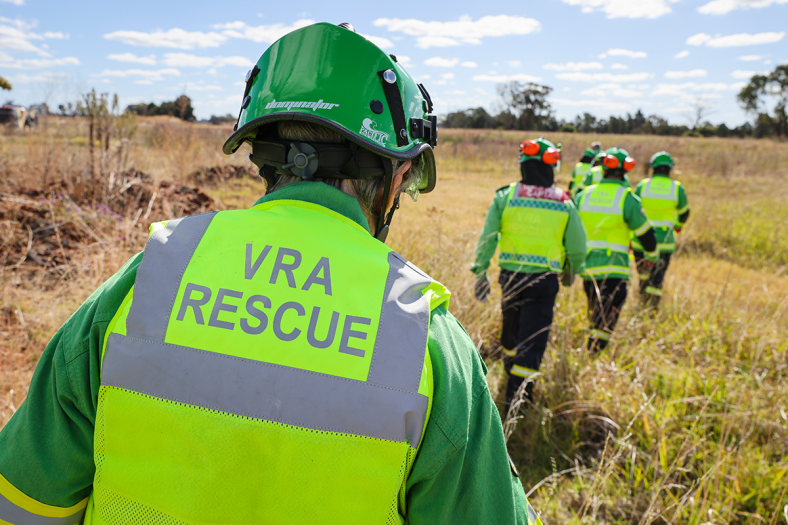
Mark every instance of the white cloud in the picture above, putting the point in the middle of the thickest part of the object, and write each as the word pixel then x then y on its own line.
pixel 463 31
pixel 198 87
pixel 506 78
pixel 41 77
pixel 188 60
pixel 17 35
pixel 456 92
pixel 605 104
pixel 142 82
pixel 15 2
pixel 37 63
pixel 603 77
pixel 145 74
pixel 695 73
pixel 737 40
pixel 747 75
pixel 574 66
pixel 618 52
pixel 404 60
pixel 625 8
pixel 382 43
pixel 468 63
pixel 752 58
pixel 55 35
pixel 610 89
pixel 448 76
pixel 721 7
pixel 174 38
pixel 442 62
pixel 514 63
pixel 131 57
pixel 264 33
pixel 682 54
pixel 619 66
pixel 683 90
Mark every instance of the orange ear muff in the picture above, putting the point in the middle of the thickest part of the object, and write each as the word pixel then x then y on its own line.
pixel 530 148
pixel 610 162
pixel 551 156
pixel 629 163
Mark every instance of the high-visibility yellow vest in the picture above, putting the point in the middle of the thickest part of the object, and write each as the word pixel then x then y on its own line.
pixel 580 172
pixel 660 198
pixel 269 366
pixel 533 226
pixel 602 212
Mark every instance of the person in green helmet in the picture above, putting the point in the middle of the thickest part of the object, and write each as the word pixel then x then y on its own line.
pixel 595 174
pixel 666 205
pixel 611 213
pixel 277 364
pixel 540 236
pixel 580 171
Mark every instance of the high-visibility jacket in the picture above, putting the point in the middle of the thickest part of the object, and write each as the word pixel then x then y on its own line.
pixel 246 379
pixel 601 208
pixel 533 226
pixel 578 175
pixel 660 196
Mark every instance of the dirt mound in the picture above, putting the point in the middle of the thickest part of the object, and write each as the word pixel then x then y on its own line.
pixel 45 227
pixel 217 175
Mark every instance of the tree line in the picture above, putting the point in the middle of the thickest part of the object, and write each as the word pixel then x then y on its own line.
pixel 525 107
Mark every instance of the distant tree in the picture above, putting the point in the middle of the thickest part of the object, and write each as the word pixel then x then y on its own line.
pixel 722 130
pixel 753 97
pixel 585 124
pixel 568 128
pixel 699 110
pixel 5 84
pixel 181 107
pixel 477 118
pixel 528 101
pixel 227 119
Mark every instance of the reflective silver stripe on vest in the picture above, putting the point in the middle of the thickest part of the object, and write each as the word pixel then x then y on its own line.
pixel 386 406
pixel 615 208
pixel 261 390
pixel 159 275
pixel 663 224
pixel 11 513
pixel 670 196
pixel 398 357
pixel 605 245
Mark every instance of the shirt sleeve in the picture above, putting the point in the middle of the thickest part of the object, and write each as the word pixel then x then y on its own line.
pixel 46 448
pixel 683 205
pixel 636 219
pixel 639 188
pixel 488 240
pixel 575 241
pixel 462 472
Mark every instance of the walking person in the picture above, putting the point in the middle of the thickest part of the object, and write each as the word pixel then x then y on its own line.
pixel 666 205
pixel 278 364
pixel 611 212
pixel 581 169
pixel 540 236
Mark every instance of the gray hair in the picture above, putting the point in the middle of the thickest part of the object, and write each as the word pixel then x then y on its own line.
pixel 366 190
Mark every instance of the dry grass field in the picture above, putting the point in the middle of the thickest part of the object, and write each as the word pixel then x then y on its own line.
pixel 683 419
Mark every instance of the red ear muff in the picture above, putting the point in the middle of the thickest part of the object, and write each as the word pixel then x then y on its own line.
pixel 530 148
pixel 551 156
pixel 610 162
pixel 629 163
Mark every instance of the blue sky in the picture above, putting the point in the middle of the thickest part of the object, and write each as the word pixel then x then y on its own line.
pixel 600 56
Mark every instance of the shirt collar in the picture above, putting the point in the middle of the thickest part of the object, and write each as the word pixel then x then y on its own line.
pixel 614 181
pixel 323 195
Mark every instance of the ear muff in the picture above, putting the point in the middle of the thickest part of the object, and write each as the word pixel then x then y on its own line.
pixel 611 162
pixel 530 148
pixel 551 156
pixel 629 163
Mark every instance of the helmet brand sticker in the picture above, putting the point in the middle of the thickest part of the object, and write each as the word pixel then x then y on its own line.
pixel 314 106
pixel 368 130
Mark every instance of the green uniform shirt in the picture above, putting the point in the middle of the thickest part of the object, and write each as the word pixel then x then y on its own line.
pixel 666 235
pixel 461 473
pixel 635 218
pixel 574 240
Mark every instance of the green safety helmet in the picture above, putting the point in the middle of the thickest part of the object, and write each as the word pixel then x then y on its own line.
pixel 617 158
pixel 332 76
pixel 662 158
pixel 590 153
pixel 540 149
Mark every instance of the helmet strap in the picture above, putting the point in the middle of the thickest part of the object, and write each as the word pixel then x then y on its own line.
pixel 384 220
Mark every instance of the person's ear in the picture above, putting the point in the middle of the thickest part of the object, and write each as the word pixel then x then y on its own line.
pixel 396 182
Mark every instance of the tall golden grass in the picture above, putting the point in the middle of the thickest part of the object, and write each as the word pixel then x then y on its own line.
pixel 683 419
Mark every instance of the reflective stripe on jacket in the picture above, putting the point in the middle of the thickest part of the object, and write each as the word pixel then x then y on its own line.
pixel 601 208
pixel 259 372
pixel 533 226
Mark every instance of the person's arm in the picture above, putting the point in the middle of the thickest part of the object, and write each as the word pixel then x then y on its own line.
pixel 488 240
pixel 46 448
pixel 462 472
pixel 638 222
pixel 639 188
pixel 575 242
pixel 683 208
